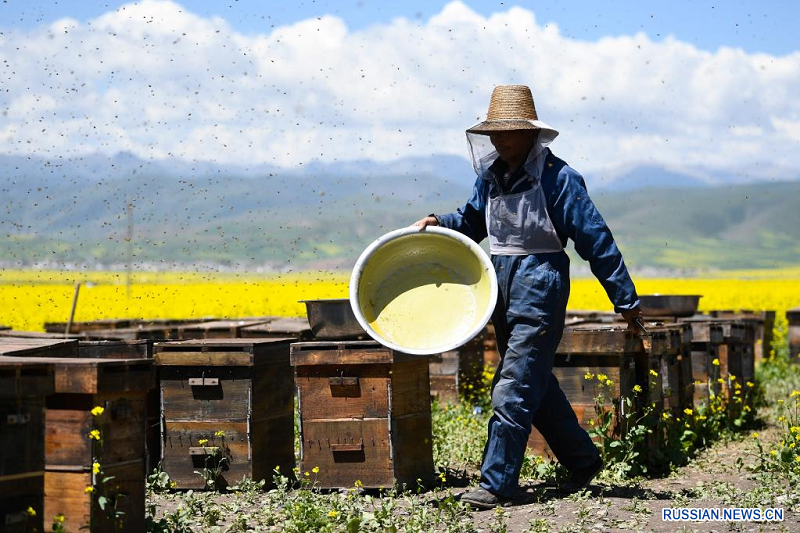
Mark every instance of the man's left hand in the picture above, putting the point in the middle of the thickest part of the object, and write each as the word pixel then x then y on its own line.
pixel 630 317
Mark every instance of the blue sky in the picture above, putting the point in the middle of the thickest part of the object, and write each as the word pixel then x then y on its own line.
pixel 755 26
pixel 710 90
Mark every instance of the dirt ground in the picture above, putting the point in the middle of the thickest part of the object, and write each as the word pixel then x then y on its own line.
pixel 709 481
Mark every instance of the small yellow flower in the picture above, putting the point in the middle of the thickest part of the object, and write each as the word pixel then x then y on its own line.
pixel 59 518
pixel 715 362
pixel 702 417
pixel 591 422
pixel 746 408
pixel 653 373
pixel 773 453
pixel 688 411
pixel 97 411
pixel 88 490
pixel 754 434
pixel 588 376
pixel 795 393
pixel 219 433
pixel 31 511
pixel 794 429
pixel 94 434
pixel 609 383
pixel 780 402
pixel 637 388
pixel 791 446
pixel 797 458
pixel 306 474
pixel 750 384
pixel 781 419
pixel 202 442
pixel 333 514
pixel 732 377
pixel 601 377
pixel 665 415
pixel 95 467
pixel 315 470
pixel 720 380
pixel 358 484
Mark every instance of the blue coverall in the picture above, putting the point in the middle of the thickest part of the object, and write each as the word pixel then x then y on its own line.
pixel 529 322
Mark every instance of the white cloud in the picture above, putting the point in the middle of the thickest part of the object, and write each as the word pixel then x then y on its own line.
pixel 157 80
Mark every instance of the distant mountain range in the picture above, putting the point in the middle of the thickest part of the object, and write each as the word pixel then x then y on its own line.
pixel 323 215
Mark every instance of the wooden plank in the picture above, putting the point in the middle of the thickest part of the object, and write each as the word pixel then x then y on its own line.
pixel 24 347
pixel 410 388
pixel 296 328
pixel 230 399
pixel 79 327
pixel 218 329
pixel 340 468
pixel 134 349
pixel 203 358
pixel 344 353
pixel 273 390
pixel 89 376
pixel 368 398
pixel 273 446
pixel 235 446
pixel 601 340
pixel 36 335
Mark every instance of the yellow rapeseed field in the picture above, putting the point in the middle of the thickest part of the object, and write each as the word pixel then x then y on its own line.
pixel 28 299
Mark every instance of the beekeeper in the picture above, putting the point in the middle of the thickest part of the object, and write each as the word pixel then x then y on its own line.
pixel 529 202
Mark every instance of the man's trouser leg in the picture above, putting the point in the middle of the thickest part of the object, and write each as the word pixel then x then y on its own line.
pixel 529 323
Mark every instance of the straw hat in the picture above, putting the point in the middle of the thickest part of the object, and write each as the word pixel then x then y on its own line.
pixel 511 108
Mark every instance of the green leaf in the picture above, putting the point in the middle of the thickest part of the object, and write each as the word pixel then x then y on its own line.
pixel 102 501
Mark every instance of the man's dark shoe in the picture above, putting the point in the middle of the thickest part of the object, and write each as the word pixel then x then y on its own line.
pixel 580 479
pixel 481 498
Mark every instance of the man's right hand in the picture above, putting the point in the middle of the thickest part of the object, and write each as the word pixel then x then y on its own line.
pixel 429 220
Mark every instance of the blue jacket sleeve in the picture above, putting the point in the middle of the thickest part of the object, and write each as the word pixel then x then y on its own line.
pixel 574 214
pixel 471 218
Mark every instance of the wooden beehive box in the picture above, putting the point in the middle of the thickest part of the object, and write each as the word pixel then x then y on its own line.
pixel 793 334
pixel 133 349
pixel 296 328
pixel 365 414
pixel 241 387
pixel 677 384
pixel 763 323
pixel 23 387
pixel 457 373
pixel 120 387
pixel 596 349
pixel 81 327
pixel 219 329
pixel 707 336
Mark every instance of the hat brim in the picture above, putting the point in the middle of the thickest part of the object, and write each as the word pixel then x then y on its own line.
pixel 488 127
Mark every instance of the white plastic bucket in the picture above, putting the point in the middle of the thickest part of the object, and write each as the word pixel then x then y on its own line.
pixel 423 292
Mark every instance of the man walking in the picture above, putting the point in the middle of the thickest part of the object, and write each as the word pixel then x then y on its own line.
pixel 529 202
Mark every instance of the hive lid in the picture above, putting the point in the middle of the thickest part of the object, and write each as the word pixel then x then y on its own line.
pixel 221 352
pixel 36 347
pixel 345 353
